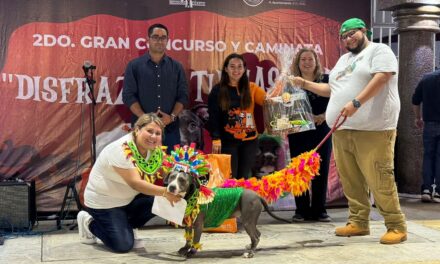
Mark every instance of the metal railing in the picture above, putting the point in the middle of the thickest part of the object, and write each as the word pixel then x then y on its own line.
pixel 382 27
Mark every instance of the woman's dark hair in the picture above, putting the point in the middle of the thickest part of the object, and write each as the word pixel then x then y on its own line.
pixel 243 85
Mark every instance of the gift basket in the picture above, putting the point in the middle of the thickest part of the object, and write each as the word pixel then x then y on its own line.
pixel 287 109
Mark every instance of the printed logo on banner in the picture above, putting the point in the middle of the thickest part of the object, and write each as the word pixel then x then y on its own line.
pixel 253 2
pixel 288 2
pixel 187 3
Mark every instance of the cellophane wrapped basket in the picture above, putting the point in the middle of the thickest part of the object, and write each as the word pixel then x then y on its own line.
pixel 287 109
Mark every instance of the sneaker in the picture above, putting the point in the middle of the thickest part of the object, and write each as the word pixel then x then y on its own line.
pixel 426 196
pixel 351 230
pixel 298 218
pixel 393 236
pixel 138 243
pixel 436 197
pixel 83 219
pixel 323 217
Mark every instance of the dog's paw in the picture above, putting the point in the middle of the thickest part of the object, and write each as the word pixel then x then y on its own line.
pixel 187 251
pixel 249 254
pixel 183 251
pixel 191 252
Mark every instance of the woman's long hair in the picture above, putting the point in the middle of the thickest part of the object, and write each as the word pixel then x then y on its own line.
pixel 243 86
pixel 295 66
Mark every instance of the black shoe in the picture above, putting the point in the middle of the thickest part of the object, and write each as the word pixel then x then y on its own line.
pixel 435 197
pixel 298 218
pixel 426 196
pixel 324 218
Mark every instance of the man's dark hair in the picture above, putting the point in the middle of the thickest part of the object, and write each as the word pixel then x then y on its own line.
pixel 152 27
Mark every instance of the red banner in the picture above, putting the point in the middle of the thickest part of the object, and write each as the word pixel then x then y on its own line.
pixel 45 104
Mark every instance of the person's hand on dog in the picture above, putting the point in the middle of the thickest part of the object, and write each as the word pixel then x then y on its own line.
pixel 171 197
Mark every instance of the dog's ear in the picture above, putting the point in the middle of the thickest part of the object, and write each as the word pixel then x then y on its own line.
pixel 165 179
pixel 195 181
pixel 204 179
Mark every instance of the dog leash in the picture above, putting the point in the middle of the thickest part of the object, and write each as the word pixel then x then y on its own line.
pixel 337 124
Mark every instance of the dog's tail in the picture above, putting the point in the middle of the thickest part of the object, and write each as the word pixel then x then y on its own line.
pixel 266 207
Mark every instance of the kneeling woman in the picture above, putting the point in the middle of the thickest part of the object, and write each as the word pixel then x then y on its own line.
pixel 120 191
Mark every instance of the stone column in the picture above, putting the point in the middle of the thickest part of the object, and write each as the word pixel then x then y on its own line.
pixel 417 23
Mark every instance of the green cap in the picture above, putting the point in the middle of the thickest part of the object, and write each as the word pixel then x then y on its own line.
pixel 353 23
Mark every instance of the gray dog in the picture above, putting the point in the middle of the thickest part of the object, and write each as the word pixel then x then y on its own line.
pixel 248 209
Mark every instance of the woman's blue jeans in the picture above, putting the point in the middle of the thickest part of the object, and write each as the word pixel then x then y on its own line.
pixel 114 226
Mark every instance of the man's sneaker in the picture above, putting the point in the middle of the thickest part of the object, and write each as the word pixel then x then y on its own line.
pixel 436 197
pixel 83 219
pixel 351 230
pixel 323 217
pixel 426 196
pixel 138 243
pixel 393 236
pixel 298 218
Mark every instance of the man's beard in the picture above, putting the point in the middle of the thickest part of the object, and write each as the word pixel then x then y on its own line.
pixel 358 48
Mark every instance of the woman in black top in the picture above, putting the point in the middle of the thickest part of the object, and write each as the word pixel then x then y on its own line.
pixel 307 66
pixel 231 116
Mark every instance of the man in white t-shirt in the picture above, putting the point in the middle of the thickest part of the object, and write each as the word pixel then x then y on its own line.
pixel 363 87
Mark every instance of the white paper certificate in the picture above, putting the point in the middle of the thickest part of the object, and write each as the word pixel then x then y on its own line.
pixel 162 207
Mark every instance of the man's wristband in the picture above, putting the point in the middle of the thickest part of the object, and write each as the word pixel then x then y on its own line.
pixel 173 117
pixel 356 103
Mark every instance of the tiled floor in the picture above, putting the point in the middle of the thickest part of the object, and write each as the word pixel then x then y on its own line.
pixel 280 243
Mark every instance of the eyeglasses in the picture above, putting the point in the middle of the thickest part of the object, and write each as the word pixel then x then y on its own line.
pixel 349 34
pixel 159 38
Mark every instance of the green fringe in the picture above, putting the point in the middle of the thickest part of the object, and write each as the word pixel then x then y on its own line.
pixel 224 204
